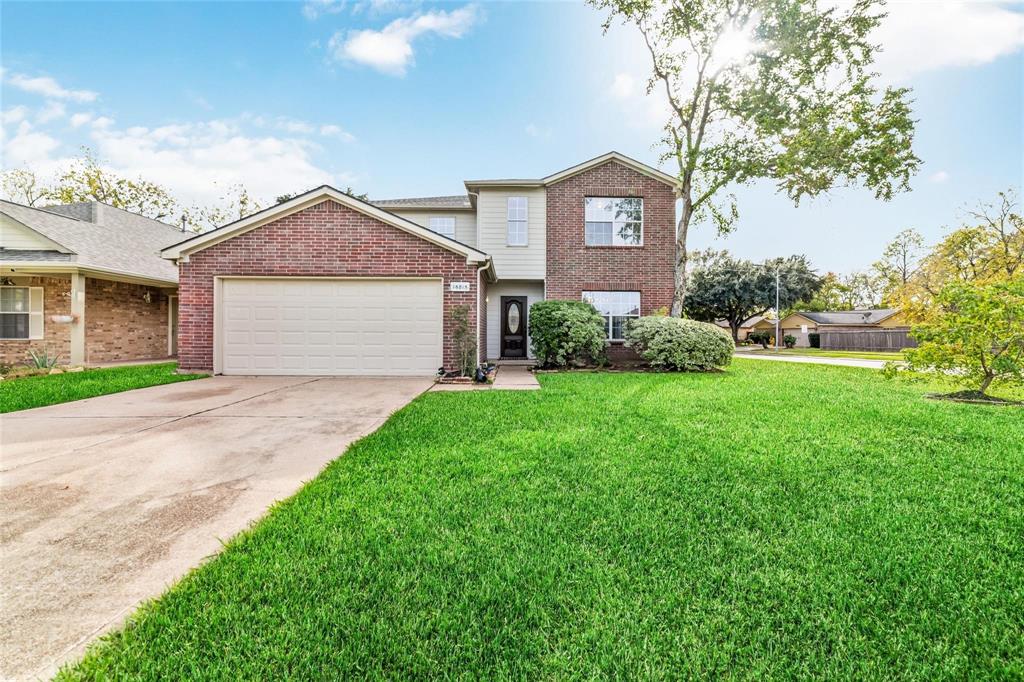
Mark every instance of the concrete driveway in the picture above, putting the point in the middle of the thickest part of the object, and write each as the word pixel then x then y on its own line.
pixel 107 501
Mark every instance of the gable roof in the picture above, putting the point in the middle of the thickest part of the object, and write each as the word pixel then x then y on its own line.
pixel 850 317
pixel 638 166
pixel 118 242
pixel 457 201
pixel 182 249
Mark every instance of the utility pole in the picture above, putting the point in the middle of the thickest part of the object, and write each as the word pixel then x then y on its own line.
pixel 778 313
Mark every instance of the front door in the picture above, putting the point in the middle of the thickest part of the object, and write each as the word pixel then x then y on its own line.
pixel 513 326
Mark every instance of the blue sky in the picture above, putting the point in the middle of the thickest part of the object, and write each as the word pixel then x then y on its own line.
pixel 403 98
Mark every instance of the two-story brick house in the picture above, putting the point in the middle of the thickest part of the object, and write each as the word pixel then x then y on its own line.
pixel 328 284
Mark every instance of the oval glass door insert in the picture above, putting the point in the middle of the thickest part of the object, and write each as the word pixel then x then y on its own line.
pixel 513 318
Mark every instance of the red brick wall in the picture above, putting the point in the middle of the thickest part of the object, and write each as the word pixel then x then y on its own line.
pixel 56 337
pixel 573 267
pixel 120 325
pixel 327 239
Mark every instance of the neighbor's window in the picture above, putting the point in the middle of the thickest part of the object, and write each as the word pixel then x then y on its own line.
pixel 516 221
pixel 614 222
pixel 616 307
pixel 21 312
pixel 445 226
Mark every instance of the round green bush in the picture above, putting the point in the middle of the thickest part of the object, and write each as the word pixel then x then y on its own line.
pixel 671 343
pixel 566 333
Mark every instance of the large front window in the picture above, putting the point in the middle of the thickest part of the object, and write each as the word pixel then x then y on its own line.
pixel 617 307
pixel 517 209
pixel 614 222
pixel 21 313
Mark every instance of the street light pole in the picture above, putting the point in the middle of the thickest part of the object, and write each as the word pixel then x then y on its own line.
pixel 778 312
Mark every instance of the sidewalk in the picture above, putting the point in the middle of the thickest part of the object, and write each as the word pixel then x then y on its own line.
pixel 806 359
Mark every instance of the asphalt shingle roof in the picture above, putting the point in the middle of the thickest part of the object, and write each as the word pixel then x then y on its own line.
pixel 118 240
pixel 450 201
pixel 852 317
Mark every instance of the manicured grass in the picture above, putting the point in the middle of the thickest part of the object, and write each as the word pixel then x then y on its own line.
pixel 37 391
pixel 863 355
pixel 774 521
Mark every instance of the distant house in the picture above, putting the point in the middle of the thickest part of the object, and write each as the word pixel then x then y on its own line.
pixel 746 326
pixel 847 329
pixel 86 282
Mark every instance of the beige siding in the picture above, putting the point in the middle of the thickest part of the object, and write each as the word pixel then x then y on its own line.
pixel 15 236
pixel 534 292
pixel 513 262
pixel 465 222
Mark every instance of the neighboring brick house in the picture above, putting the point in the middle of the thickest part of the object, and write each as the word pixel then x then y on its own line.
pixel 328 284
pixel 85 282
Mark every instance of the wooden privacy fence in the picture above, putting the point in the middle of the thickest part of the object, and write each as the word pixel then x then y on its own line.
pixel 867 339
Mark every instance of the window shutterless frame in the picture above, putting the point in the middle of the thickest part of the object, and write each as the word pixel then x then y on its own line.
pixel 21 313
pixel 616 307
pixel 517 232
pixel 443 225
pixel 605 218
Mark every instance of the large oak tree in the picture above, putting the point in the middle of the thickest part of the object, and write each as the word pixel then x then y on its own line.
pixel 781 90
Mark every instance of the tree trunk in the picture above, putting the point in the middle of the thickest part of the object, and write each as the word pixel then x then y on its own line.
pixel 735 331
pixel 681 254
pixel 985 382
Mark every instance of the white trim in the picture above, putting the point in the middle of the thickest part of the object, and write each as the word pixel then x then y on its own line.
pixel 218 296
pixel 307 200
pixel 29 268
pixel 525 221
pixel 638 166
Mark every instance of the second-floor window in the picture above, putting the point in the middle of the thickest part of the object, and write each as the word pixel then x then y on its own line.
pixel 614 221
pixel 517 209
pixel 443 225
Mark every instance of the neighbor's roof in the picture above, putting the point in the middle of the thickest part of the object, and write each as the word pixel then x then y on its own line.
pixel 456 201
pixel 638 166
pixel 849 317
pixel 118 242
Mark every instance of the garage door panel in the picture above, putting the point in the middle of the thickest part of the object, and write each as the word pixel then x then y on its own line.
pixel 325 327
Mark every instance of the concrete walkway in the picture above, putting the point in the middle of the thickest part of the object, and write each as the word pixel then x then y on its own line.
pixel 107 501
pixel 508 378
pixel 816 360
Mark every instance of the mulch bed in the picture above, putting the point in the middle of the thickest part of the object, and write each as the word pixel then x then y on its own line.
pixel 974 397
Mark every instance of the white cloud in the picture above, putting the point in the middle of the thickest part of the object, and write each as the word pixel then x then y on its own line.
pixel 623 86
pixel 102 122
pixel 80 119
pixel 27 147
pixel 938 177
pixel 48 87
pixel 313 9
pixel 917 37
pixel 338 132
pixel 14 115
pixel 390 50
pixel 52 111
pixel 290 125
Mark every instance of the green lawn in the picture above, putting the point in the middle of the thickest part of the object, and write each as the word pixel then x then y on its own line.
pixel 817 352
pixel 50 389
pixel 775 521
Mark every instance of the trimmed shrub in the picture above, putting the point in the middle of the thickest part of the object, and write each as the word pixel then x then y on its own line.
pixel 566 333
pixel 761 337
pixel 671 343
pixel 814 338
pixel 789 340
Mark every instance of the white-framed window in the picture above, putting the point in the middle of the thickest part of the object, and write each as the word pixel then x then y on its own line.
pixel 21 312
pixel 443 225
pixel 614 221
pixel 517 211
pixel 617 307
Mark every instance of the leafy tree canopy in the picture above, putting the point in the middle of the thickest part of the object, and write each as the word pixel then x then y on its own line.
pixel 780 90
pixel 731 289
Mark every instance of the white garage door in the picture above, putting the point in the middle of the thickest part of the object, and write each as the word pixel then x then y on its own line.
pixel 321 326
